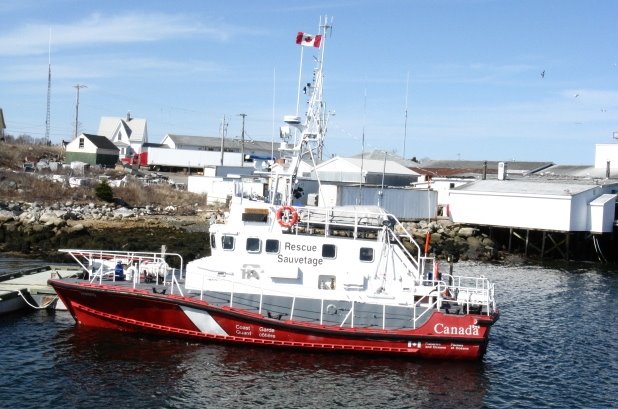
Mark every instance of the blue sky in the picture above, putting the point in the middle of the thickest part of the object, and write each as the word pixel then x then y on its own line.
pixel 468 71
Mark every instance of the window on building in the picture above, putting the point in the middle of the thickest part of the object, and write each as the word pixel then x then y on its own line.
pixel 81 143
pixel 328 251
pixel 272 246
pixel 253 245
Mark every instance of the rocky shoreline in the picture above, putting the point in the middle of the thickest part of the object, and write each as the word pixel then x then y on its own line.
pixel 36 230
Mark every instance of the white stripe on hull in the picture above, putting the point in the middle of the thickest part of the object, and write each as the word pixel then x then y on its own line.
pixel 203 321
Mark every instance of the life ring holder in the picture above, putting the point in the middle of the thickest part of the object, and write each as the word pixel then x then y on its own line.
pixel 331 309
pixel 291 218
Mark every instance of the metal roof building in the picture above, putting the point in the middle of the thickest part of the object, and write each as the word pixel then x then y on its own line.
pixel 538 204
pixel 210 143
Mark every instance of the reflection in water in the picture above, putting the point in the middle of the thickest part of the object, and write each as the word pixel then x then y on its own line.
pixel 173 373
pixel 275 377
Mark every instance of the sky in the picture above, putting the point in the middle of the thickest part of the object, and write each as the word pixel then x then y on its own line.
pixel 503 80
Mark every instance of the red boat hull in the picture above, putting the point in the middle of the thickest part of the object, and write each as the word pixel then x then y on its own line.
pixel 443 336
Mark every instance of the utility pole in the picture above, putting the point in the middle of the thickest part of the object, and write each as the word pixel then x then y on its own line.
pixel 47 118
pixel 242 141
pixel 77 87
pixel 223 131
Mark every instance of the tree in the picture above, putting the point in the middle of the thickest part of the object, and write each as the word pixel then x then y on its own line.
pixel 104 191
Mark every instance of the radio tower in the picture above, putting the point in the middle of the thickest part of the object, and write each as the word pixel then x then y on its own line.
pixel 47 119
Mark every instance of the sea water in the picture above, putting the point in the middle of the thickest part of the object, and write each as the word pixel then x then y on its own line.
pixel 555 346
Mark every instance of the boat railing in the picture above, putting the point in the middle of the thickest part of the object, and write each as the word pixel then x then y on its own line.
pixel 469 292
pixel 99 265
pixel 175 284
pixel 340 218
pixel 420 307
pixel 361 219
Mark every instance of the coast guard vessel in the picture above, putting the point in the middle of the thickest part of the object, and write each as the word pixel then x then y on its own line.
pixel 341 279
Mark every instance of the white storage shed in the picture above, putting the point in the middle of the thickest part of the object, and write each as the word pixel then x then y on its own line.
pixel 535 204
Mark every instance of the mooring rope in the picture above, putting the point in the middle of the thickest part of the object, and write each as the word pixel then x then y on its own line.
pixel 34 306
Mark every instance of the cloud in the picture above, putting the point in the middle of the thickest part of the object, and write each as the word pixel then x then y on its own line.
pixel 100 29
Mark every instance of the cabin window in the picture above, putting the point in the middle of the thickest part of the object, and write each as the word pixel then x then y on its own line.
pixel 327 282
pixel 213 241
pixel 227 242
pixel 328 251
pixel 272 246
pixel 81 143
pixel 366 254
pixel 254 245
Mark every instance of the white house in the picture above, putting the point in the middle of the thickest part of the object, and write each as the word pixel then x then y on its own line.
pixel 128 134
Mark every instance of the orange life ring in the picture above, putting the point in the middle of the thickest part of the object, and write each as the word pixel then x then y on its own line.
pixel 287 216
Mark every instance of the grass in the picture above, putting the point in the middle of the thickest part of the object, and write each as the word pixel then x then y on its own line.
pixel 17 185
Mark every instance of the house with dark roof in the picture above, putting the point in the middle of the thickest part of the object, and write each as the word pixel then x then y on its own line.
pixel 92 149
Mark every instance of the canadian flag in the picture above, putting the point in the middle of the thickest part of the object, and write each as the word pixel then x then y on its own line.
pixel 308 40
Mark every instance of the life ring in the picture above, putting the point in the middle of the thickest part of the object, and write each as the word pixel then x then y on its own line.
pixel 331 309
pixel 287 216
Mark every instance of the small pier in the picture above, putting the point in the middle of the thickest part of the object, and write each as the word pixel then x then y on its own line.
pixel 28 288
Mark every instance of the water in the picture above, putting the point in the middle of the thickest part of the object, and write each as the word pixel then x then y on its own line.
pixel 555 346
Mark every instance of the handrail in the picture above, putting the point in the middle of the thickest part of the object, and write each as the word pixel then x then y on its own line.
pixel 426 304
pixel 133 258
pixel 376 221
pixel 172 281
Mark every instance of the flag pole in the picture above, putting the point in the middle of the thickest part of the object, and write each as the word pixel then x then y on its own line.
pixel 300 72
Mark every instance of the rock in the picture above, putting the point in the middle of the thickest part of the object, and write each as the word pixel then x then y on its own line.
pixel 467 232
pixel 473 242
pixel 123 212
pixel 445 223
pixel 76 228
pixel 6 215
pixel 37 228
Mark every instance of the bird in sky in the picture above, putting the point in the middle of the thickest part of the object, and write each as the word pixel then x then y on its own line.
pixel 543 74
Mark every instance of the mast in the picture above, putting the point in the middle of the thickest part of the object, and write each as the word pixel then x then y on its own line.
pixel 405 124
pixel 313 128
